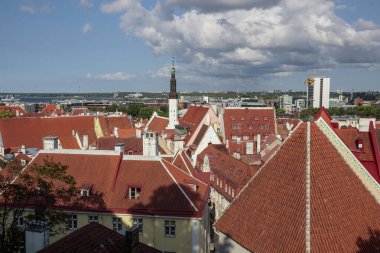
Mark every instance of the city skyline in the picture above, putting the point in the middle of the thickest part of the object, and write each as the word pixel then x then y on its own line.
pixel 127 45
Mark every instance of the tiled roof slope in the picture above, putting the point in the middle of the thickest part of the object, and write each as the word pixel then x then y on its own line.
pixel 192 119
pixel 108 143
pixel 14 109
pixel 269 215
pixel 159 182
pixel 158 124
pixel 249 122
pixel 52 110
pixel 181 161
pixel 94 238
pixel 108 124
pixel 30 131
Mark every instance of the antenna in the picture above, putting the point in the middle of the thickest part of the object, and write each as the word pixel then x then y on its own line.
pixel 173 61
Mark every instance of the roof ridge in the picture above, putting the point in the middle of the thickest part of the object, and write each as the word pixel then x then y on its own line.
pixel 183 160
pixel 186 173
pixel 307 193
pixel 262 168
pixel 351 160
pixel 180 188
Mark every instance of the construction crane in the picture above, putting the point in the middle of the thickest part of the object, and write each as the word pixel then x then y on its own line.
pixel 309 83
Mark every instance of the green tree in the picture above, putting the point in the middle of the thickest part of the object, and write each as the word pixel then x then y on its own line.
pixel 6 114
pixel 280 111
pixel 134 109
pixel 42 191
pixel 145 112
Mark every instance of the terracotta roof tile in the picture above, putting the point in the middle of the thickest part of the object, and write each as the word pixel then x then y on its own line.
pixel 108 124
pixel 16 110
pixel 269 214
pixel 30 131
pixel 131 144
pixel 192 119
pixel 93 238
pixel 158 124
pixel 52 110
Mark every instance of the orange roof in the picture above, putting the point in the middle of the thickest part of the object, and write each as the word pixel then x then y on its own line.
pixel 30 131
pixel 108 124
pixel 156 178
pixel 182 162
pixel 125 133
pixel 269 214
pixel 158 124
pixel 78 111
pixel 192 119
pixel 108 143
pixel 52 109
pixel 14 109
pixel 248 122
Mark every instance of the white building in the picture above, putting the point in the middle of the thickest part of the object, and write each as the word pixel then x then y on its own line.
pixel 319 93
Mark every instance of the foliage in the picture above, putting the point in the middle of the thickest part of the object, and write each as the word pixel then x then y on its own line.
pixel 280 111
pixel 145 112
pixel 6 114
pixel 361 111
pixel 134 109
pixel 42 190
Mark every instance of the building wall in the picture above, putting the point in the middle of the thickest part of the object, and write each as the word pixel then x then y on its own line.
pixel 209 137
pixel 173 113
pixel 325 92
pixel 98 128
pixel 227 245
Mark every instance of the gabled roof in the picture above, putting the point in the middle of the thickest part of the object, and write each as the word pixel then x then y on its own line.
pixel 192 119
pixel 108 124
pixel 165 189
pixel 182 162
pixel 269 215
pixel 282 126
pixel 200 135
pixel 248 122
pixel 14 109
pixel 232 169
pixel 30 131
pixel 52 110
pixel 157 124
pixel 78 111
pixel 94 238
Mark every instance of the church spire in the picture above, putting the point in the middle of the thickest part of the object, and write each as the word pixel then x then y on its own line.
pixel 173 83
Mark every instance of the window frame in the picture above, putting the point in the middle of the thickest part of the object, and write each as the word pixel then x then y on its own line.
pixel 72 222
pixel 170 225
pixel 117 224
pixel 93 219
pixel 140 222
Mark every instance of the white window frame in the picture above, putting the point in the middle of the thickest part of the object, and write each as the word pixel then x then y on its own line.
pixel 93 219
pixel 72 222
pixel 169 228
pixel 140 222
pixel 85 192
pixel 134 192
pixel 117 224
pixel 19 220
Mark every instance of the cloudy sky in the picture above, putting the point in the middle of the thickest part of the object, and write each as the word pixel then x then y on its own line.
pixel 245 45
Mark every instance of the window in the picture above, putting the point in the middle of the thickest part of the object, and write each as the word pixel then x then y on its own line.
pixel 84 192
pixel 169 228
pixel 221 184
pixel 234 137
pixel 229 190
pixel 250 127
pixel 245 137
pixel 134 192
pixel 233 193
pixel 217 181
pixel 139 222
pixel 116 224
pixel 72 222
pixel 130 152
pixel 92 219
pixel 19 220
pixel 23 162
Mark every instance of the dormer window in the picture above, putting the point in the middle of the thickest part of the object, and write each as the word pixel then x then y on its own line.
pixel 85 192
pixel 134 192
pixel 256 118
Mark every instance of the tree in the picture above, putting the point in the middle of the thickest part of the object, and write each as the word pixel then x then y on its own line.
pixel 42 191
pixel 6 114
pixel 145 112
pixel 134 109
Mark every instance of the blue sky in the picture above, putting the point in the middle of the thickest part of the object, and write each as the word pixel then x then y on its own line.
pixel 245 45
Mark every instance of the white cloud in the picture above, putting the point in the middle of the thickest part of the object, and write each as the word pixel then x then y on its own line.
pixel 117 76
pixel 34 10
pixel 86 28
pixel 86 3
pixel 242 40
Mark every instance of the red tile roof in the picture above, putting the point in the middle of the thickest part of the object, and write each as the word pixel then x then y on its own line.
pixel 79 111
pixel 200 135
pixel 131 144
pixel 249 122
pixel 94 238
pixel 269 214
pixel 182 162
pixel 125 133
pixel 164 188
pixel 52 110
pixel 192 119
pixel 108 124
pixel 30 131
pixel 14 109
pixel 158 124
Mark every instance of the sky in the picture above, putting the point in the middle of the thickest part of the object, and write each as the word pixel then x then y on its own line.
pixel 218 45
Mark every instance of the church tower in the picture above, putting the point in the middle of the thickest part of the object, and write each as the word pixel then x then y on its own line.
pixel 173 101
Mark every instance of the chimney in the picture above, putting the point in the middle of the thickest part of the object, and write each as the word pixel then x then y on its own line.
pixel 258 143
pixel 138 132
pixel 150 144
pixel 50 142
pixel 132 239
pixel 178 145
pixel 23 149
pixel 116 132
pixel 227 144
pixel 73 132
pixel 36 236
pixel 85 141
pixel 120 147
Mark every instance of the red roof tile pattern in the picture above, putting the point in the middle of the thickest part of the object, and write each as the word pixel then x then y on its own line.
pixel 282 123
pixel 30 131
pixel 79 111
pixel 181 161
pixel 108 124
pixel 94 238
pixel 269 214
pixel 248 122
pixel 192 119
pixel 52 110
pixel 158 124
pixel 16 110
pixel 200 135
pixel 133 144
pixel 125 133
pixel 160 193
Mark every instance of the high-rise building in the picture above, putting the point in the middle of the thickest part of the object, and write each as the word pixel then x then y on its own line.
pixel 173 101
pixel 319 92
